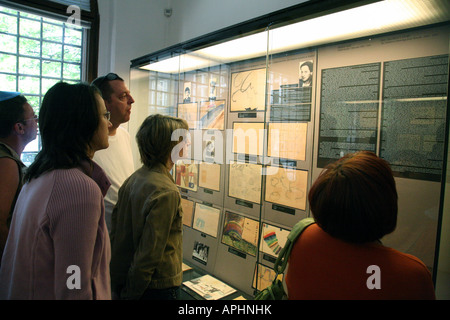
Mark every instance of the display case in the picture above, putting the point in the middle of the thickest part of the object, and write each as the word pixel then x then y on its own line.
pixel 270 102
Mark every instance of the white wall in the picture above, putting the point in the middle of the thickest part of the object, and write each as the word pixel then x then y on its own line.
pixel 134 28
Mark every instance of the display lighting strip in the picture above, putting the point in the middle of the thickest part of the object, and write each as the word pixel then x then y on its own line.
pixel 376 18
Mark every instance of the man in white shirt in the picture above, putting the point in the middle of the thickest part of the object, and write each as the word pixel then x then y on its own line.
pixel 117 159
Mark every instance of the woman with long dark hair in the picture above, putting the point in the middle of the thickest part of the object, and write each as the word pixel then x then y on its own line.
pixel 58 246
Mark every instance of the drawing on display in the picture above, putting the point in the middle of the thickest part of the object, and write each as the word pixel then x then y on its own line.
pixel 212 114
pixel 287 140
pixel 248 90
pixel 248 137
pixel 188 210
pixel 209 287
pixel 186 175
pixel 286 187
pixel 263 277
pixel 273 239
pixel 240 233
pixel 245 181
pixel 188 112
pixel 206 219
pixel 209 176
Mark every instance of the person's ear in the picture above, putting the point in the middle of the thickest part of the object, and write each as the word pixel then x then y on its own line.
pixel 19 128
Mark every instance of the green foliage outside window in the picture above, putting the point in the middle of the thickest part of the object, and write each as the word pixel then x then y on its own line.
pixel 35 53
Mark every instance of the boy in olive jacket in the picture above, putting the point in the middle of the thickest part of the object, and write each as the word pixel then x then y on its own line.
pixel 146 234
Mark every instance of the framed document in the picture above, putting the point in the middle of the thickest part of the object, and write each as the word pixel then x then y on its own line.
pixel 245 181
pixel 186 175
pixel 248 89
pixel 263 277
pixel 188 112
pixel 209 176
pixel 206 219
pixel 286 187
pixel 287 140
pixel 273 239
pixel 188 211
pixel 248 138
pixel 240 233
pixel 212 114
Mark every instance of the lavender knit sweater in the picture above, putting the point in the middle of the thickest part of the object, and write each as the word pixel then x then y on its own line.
pixel 58 246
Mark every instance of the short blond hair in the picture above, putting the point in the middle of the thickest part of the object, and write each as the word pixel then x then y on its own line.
pixel 154 138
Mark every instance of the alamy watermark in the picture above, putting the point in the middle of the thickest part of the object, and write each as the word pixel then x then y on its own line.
pixel 241 146
pixel 75 16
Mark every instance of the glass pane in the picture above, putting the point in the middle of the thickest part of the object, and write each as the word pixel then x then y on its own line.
pixel 53 21
pixel 29 85
pixel 52 32
pixel 72 71
pixel 51 50
pixel 8 82
pixel 30 28
pixel 72 54
pixel 8 43
pixel 28 157
pixel 29 66
pixel 8 24
pixel 29 47
pixel 8 63
pixel 7 10
pixel 48 83
pixel 51 69
pixel 73 36
pixel 32 146
pixel 34 103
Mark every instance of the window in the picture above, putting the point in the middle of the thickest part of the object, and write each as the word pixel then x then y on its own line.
pixel 37 51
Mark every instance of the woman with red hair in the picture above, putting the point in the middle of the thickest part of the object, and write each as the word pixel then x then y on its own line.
pixel 354 204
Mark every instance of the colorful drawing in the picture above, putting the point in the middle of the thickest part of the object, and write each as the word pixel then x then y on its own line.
pixel 186 175
pixel 240 233
pixel 273 239
pixel 212 114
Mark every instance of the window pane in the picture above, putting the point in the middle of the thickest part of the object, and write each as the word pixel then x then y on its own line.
pixel 34 103
pixel 52 32
pixel 72 54
pixel 29 47
pixel 51 50
pixel 29 85
pixel 29 66
pixel 8 43
pixel 48 83
pixel 30 28
pixel 32 146
pixel 7 10
pixel 8 24
pixel 8 82
pixel 8 63
pixel 51 69
pixel 73 36
pixel 72 71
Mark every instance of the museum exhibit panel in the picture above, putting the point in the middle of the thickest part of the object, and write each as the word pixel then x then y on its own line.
pixel 270 102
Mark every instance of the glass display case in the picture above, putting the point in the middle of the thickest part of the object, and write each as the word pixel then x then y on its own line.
pixel 270 102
